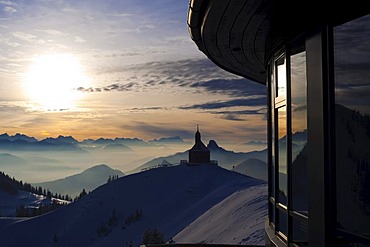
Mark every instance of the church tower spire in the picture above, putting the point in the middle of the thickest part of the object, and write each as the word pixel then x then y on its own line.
pixel 199 153
pixel 197 135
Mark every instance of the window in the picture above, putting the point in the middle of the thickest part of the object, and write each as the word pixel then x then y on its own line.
pixel 298 166
pixel 288 154
pixel 352 123
pixel 271 138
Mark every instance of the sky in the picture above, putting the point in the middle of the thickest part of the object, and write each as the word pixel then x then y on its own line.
pixel 123 68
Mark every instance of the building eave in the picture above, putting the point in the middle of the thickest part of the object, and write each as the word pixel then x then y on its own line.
pixel 240 36
pixel 232 34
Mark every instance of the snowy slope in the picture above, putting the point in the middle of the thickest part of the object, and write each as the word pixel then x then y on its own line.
pixel 238 219
pixel 170 199
pixel 9 203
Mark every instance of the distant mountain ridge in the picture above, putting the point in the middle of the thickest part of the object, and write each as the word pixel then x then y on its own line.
pixel 22 142
pixel 61 140
pixel 225 158
pixel 89 180
pixel 17 136
pixel 175 139
pixel 69 143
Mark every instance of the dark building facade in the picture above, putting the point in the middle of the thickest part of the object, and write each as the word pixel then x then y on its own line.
pixel 314 58
pixel 199 153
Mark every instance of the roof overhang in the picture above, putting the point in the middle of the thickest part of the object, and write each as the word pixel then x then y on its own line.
pixel 232 34
pixel 240 36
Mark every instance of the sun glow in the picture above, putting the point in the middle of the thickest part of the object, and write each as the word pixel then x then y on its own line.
pixel 52 81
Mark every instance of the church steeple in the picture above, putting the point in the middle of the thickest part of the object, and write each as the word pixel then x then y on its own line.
pixel 199 153
pixel 197 135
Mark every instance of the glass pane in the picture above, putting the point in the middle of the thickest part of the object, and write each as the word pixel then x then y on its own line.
pixel 272 212
pixel 299 231
pixel 272 164
pixel 283 188
pixel 281 78
pixel 283 222
pixel 352 122
pixel 272 168
pixel 299 133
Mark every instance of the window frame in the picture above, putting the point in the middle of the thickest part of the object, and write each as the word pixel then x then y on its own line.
pixel 275 103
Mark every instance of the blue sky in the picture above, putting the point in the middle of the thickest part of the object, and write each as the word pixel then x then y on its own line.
pixel 138 74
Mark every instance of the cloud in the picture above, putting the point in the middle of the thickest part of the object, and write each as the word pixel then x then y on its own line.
pixel 10 106
pixel 143 109
pixel 79 39
pixel 112 87
pixel 192 75
pixel 242 112
pixel 260 101
pixel 8 3
pixel 235 87
pixel 140 29
pixel 37 121
pixel 10 9
pixel 53 32
pixel 159 129
pixel 232 117
pixel 28 37
pixel 120 15
pixel 9 42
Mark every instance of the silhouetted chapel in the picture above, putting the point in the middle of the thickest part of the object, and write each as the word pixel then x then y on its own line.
pixel 199 153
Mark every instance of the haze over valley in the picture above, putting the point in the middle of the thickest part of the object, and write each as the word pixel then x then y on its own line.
pixel 37 161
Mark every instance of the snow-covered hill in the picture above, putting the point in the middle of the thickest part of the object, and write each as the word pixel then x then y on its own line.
pixel 231 221
pixel 170 199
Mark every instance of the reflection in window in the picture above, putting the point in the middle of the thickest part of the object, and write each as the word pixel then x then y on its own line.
pixel 300 231
pixel 281 78
pixel 299 132
pixel 283 188
pixel 299 188
pixel 352 122
pixel 283 222
pixel 272 161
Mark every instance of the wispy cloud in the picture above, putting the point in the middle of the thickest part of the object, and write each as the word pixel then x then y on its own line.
pixel 28 37
pixel 53 32
pixel 144 109
pixel 112 87
pixel 197 75
pixel 8 42
pixel 120 14
pixel 158 129
pixel 260 101
pixel 79 39
pixel 8 3
pixel 235 87
pixel 10 9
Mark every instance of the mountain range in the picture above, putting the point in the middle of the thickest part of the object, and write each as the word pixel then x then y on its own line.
pixel 225 158
pixel 69 143
pixel 48 144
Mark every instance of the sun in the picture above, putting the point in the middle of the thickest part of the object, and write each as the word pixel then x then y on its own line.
pixel 52 81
